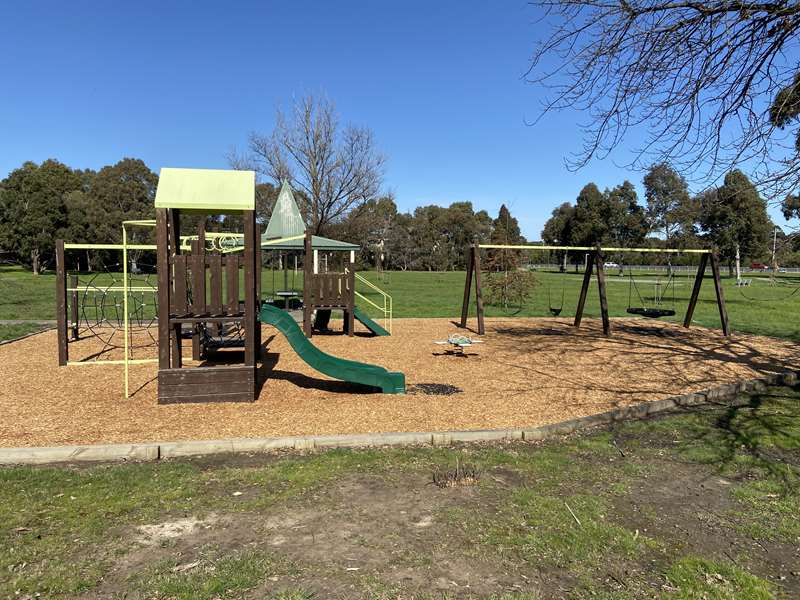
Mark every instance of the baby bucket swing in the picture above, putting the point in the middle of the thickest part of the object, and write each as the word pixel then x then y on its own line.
pixel 555 310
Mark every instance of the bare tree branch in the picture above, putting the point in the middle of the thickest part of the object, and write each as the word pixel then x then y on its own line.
pixel 336 168
pixel 698 76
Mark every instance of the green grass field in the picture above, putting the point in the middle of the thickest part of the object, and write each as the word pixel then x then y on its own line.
pixel 761 308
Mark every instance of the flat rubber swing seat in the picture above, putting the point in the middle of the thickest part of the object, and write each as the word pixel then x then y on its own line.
pixel 651 313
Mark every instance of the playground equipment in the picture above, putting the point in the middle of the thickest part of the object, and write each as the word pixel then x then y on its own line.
pixel 324 292
pixel 656 309
pixel 102 305
pixel 338 368
pixel 595 260
pixel 457 344
pixel 183 279
pixel 555 310
pixel 199 293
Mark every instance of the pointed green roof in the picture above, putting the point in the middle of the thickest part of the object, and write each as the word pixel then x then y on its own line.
pixel 286 220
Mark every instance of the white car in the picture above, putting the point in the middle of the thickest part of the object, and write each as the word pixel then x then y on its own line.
pixel 610 265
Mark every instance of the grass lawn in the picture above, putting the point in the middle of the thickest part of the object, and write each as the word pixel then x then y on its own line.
pixel 700 504
pixel 17 330
pixel 760 308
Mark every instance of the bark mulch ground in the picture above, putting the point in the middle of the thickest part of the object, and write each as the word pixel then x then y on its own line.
pixel 528 372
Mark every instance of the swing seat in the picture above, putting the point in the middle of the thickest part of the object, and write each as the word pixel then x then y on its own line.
pixel 651 313
pixel 555 311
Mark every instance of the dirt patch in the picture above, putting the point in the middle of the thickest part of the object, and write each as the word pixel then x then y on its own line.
pixel 690 507
pixel 158 533
pixel 395 531
pixel 528 372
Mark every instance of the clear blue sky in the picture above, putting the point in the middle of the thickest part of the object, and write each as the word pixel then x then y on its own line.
pixel 181 83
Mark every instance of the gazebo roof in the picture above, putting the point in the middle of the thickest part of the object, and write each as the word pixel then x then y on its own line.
pixel 317 243
pixel 286 221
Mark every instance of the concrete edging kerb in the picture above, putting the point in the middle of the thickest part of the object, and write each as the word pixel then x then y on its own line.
pixel 150 451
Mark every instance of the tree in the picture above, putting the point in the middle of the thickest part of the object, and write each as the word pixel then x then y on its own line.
pixel 736 220
pixel 595 218
pixel 33 210
pixel 506 283
pixel 368 226
pixel 121 192
pixel 400 247
pixel 335 168
pixel 611 217
pixel 693 75
pixel 630 227
pixel 558 229
pixel 666 193
pixel 506 232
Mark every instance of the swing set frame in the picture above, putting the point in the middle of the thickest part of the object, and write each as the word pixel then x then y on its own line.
pixel 595 262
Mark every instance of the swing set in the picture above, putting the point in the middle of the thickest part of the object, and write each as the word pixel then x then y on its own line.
pixel 594 262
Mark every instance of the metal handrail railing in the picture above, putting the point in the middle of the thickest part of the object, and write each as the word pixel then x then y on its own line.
pixel 387 307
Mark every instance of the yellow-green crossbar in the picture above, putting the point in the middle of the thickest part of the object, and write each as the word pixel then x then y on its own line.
pixel 130 361
pixel 113 288
pixel 590 248
pixel 109 247
pixel 141 222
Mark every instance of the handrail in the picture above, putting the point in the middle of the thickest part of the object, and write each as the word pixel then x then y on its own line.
pixel 387 300
pixel 368 301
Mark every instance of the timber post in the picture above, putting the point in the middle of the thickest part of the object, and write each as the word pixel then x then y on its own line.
pixel 249 289
pixel 601 288
pixel 478 291
pixel 61 304
pixel 698 282
pixel 723 311
pixel 467 285
pixel 587 278
pixel 308 279
pixel 162 261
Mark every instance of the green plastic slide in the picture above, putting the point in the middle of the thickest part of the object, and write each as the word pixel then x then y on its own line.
pixel 364 319
pixel 338 368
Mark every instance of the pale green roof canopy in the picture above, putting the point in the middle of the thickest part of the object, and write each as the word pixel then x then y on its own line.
pixel 286 221
pixel 317 243
pixel 206 190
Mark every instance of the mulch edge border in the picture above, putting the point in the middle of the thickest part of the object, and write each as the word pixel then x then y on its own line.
pixel 27 335
pixel 150 451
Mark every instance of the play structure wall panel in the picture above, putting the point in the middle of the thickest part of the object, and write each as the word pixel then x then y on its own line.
pixel 331 290
pixel 207 277
pixel 207 384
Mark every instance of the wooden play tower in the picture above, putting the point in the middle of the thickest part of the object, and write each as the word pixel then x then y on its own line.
pixel 203 289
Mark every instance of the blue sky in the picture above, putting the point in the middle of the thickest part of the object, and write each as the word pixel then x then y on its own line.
pixel 181 83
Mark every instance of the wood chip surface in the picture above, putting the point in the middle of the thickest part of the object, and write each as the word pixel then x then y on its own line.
pixel 527 372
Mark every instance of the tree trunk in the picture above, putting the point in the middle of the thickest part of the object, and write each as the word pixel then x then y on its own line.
pixel 738 264
pixel 35 261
